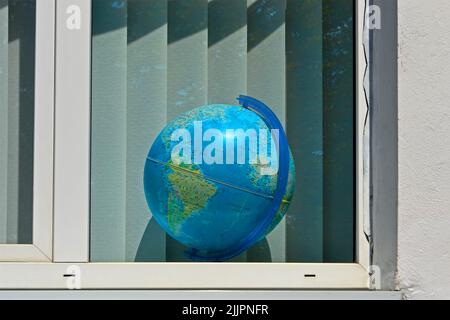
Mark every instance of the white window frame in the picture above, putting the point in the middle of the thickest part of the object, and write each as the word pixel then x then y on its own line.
pixel 72 194
pixel 42 246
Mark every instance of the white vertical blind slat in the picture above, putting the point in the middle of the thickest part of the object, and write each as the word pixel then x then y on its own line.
pixel 146 117
pixel 187 76
pixel 13 139
pixel 187 56
pixel 305 128
pixel 266 78
pixel 227 50
pixel 227 55
pixel 338 131
pixel 109 136
pixel 3 119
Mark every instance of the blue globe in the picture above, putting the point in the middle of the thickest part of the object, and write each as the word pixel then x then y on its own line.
pixel 205 197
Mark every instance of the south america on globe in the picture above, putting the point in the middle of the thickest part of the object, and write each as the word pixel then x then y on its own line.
pixel 211 175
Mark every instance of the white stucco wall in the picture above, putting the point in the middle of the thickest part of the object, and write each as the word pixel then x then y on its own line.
pixel 424 148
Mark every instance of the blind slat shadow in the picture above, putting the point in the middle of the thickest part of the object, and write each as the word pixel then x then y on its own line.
pixel 270 15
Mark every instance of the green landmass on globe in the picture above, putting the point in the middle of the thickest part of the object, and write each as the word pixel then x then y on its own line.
pixel 211 207
pixel 191 193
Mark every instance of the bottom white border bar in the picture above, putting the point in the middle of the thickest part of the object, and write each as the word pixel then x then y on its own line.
pixel 199 295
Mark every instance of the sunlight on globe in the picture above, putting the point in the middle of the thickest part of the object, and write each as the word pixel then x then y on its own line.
pixel 210 177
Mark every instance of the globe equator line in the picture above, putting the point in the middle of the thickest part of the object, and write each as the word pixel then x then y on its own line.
pixel 259 194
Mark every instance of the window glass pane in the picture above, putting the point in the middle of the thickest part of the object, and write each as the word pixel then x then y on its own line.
pixel 152 60
pixel 17 55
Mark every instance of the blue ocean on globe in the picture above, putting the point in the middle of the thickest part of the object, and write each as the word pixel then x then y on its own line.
pixel 212 207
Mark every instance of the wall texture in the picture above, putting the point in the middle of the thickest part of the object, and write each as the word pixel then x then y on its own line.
pixel 424 149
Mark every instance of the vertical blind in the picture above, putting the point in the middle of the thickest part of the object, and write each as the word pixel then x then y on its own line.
pixel 17 61
pixel 154 59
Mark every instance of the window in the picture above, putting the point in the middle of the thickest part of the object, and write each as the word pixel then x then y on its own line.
pixel 123 69
pixel 26 111
pixel 152 60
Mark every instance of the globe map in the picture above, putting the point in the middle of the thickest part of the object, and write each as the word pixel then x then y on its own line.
pixel 211 207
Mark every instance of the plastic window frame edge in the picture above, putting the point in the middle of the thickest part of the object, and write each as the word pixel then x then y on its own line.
pixel 71 207
pixel 41 248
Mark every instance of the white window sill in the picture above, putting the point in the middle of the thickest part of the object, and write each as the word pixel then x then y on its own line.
pixel 199 295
